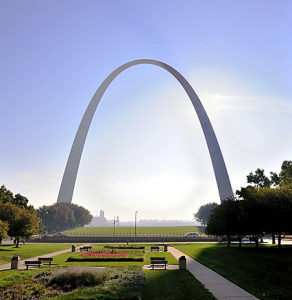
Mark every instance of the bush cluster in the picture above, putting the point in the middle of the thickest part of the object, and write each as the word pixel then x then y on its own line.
pixel 78 276
pixel 125 283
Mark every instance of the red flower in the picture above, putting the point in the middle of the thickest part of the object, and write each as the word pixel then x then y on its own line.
pixel 103 253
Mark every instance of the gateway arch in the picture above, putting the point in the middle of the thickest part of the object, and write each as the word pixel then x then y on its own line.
pixel 71 170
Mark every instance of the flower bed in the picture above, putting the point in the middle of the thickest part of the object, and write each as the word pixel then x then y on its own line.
pixel 107 255
pixel 104 253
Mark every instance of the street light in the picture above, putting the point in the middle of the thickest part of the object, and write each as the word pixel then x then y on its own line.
pixel 135 224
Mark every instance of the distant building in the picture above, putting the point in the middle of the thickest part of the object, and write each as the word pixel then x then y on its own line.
pixel 99 221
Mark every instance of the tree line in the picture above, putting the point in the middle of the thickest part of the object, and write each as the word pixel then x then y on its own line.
pixel 17 218
pixel 262 208
pixel 62 216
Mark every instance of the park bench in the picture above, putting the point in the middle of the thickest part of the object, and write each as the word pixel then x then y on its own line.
pixel 85 248
pixel 155 249
pixel 32 263
pixel 158 261
pixel 46 259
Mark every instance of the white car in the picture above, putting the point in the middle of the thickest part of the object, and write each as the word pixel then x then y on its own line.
pixel 192 234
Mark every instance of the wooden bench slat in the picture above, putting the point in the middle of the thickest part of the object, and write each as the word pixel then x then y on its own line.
pixel 49 259
pixel 158 261
pixel 32 263
pixel 85 248
pixel 154 249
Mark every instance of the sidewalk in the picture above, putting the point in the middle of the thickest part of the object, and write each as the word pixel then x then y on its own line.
pixel 220 287
pixel 21 265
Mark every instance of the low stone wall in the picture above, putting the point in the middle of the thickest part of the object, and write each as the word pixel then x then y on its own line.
pixel 119 239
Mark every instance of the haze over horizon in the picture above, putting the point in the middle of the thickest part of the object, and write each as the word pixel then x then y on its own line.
pixel 145 150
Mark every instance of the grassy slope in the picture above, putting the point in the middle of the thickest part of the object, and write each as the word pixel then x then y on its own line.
pixel 265 272
pixel 131 230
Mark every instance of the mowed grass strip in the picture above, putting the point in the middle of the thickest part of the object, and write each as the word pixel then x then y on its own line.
pixel 174 285
pixel 265 272
pixel 28 250
pixel 94 231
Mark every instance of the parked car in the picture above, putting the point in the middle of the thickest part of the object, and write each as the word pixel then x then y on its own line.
pixel 60 234
pixel 192 234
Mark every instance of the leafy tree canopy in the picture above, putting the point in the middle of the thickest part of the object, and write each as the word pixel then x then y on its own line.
pixel 285 175
pixel 204 212
pixel 6 196
pixel 22 223
pixel 4 227
pixel 61 216
pixel 259 179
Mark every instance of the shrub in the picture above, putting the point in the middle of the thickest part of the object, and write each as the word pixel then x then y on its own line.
pixel 77 276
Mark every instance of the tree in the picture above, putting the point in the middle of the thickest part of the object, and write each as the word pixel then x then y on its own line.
pixel 81 214
pixel 204 212
pixel 285 175
pixel 25 226
pixel 61 216
pixel 253 214
pixel 259 178
pixel 5 195
pixel 4 227
pixel 22 223
pixel 225 219
pixel 277 209
pixel 262 181
pixel 20 201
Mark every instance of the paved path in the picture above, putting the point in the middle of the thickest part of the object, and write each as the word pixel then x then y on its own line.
pixel 220 287
pixel 21 262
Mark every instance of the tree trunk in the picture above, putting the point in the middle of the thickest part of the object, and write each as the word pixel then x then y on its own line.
pixel 229 241
pixel 279 241
pixel 17 242
pixel 240 239
pixel 256 240
pixel 273 238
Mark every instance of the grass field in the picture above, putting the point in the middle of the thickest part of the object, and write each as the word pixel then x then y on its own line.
pixel 266 273
pixel 28 250
pixel 174 285
pixel 130 231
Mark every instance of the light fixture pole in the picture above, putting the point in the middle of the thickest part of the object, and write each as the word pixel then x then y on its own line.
pixel 135 224
pixel 114 225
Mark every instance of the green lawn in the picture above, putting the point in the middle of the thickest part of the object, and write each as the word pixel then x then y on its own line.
pixel 266 273
pixel 174 285
pixel 94 231
pixel 28 250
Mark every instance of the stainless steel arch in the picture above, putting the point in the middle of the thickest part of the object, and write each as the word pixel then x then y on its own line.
pixel 70 174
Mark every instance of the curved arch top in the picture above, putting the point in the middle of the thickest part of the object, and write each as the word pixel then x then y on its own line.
pixel 71 170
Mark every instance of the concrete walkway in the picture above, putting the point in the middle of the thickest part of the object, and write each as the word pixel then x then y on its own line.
pixel 220 287
pixel 22 266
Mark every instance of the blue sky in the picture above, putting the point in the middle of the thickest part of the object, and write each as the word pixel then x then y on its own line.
pixel 145 150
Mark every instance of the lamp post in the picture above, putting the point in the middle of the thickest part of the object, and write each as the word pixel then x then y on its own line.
pixel 114 225
pixel 135 224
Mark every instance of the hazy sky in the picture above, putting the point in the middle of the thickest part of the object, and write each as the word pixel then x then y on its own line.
pixel 145 150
